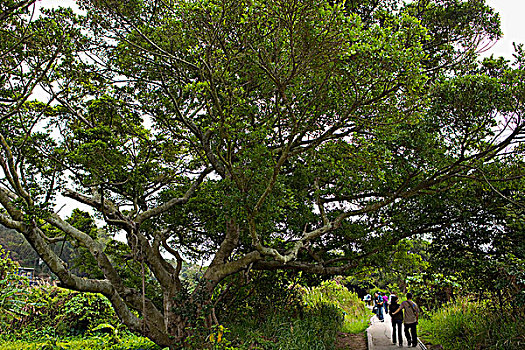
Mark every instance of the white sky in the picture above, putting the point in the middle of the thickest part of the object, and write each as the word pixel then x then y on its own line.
pixel 512 14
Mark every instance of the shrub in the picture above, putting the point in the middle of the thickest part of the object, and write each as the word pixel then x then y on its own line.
pixel 82 312
pixel 356 315
pixel 310 319
pixel 239 298
pixel 129 342
pixel 52 311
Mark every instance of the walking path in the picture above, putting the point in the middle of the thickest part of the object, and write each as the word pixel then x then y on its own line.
pixel 380 335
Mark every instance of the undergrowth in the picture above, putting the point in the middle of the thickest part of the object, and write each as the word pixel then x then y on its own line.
pixel 306 318
pixel 316 329
pixel 326 310
pixel 471 325
pixel 52 311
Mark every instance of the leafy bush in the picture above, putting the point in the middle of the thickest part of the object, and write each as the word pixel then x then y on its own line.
pixel 356 315
pixel 83 311
pixel 239 298
pixel 52 311
pixel 431 290
pixel 52 315
pixel 467 324
pixel 301 318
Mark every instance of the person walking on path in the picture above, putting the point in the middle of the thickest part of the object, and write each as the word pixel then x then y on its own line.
pixel 367 299
pixel 379 334
pixel 378 303
pixel 397 321
pixel 385 302
pixel 411 318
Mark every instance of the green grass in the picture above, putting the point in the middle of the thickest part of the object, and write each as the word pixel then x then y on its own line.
pixel 356 315
pixel 315 329
pixel 469 325
pixel 355 326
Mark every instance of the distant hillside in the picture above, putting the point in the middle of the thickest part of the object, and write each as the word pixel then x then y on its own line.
pixel 18 247
pixel 22 252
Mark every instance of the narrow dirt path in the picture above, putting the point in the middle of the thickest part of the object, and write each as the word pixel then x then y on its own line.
pixel 345 341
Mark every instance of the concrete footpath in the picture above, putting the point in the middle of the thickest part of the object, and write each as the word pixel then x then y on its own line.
pixel 380 336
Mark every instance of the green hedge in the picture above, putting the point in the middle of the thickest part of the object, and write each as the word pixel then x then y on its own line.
pixel 356 315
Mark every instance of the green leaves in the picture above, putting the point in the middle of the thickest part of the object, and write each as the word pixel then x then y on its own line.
pixel 467 109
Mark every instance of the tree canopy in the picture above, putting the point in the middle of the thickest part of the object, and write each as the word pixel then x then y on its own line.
pixel 295 135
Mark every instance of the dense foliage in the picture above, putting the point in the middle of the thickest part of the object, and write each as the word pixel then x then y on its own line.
pixel 58 312
pixel 12 288
pixel 300 318
pixel 253 135
pixel 47 317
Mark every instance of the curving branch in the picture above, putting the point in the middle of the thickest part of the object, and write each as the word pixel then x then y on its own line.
pixel 9 11
pixel 174 201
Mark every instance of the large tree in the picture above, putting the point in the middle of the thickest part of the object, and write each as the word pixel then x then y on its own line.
pixel 286 134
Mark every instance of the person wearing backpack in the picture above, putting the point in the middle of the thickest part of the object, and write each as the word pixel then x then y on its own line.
pixel 397 321
pixel 378 303
pixel 411 318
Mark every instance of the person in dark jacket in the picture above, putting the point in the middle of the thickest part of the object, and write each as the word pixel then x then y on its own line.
pixel 397 321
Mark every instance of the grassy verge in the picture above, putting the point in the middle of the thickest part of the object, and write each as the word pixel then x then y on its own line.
pixel 354 326
pixel 315 329
pixel 468 325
